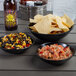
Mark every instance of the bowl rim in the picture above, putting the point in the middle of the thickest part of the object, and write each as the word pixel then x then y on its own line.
pixel 47 43
pixel 52 34
pixel 18 49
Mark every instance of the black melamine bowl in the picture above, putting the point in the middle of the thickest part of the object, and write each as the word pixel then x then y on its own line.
pixel 17 51
pixel 56 62
pixel 49 37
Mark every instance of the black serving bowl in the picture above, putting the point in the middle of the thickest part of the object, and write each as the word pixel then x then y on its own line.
pixel 49 37
pixel 56 62
pixel 17 51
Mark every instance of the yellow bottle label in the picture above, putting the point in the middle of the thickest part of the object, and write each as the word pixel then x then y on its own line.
pixel 10 18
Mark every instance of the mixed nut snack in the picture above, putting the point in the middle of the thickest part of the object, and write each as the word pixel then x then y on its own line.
pixel 15 41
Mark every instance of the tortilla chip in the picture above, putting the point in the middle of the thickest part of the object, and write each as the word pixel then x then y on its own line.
pixel 69 23
pixel 32 21
pixel 43 26
pixel 51 17
pixel 55 29
pixel 37 18
pixel 63 19
pixel 61 25
pixel 33 28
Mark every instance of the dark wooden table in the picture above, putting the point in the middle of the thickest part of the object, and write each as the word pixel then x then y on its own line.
pixel 28 64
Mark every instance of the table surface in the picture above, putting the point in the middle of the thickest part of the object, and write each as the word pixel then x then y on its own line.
pixel 28 63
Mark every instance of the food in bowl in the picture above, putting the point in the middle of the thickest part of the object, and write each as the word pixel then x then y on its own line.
pixel 15 41
pixel 51 24
pixel 55 52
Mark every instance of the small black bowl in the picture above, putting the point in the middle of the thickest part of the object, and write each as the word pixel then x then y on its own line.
pixel 17 51
pixel 56 62
pixel 49 37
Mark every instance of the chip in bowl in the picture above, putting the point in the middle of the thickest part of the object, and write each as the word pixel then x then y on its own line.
pixel 51 24
pixel 68 22
pixel 43 26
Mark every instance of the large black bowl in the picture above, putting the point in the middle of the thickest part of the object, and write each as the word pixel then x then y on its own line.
pixel 56 62
pixel 17 51
pixel 49 37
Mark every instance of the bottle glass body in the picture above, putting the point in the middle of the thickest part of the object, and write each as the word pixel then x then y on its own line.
pixel 10 14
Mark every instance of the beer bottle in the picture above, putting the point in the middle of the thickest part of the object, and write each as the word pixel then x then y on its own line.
pixel 10 12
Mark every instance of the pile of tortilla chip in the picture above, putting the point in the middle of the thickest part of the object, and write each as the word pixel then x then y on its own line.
pixel 51 24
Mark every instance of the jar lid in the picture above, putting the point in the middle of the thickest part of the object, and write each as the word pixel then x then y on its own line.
pixel 29 3
pixel 38 2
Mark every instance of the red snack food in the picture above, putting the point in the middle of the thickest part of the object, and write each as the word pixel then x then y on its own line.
pixel 13 47
pixel 27 45
pixel 55 52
